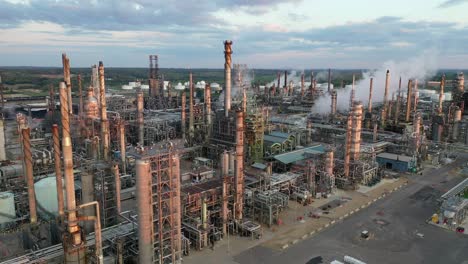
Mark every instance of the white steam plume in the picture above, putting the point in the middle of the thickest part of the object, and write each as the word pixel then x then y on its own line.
pixel 420 68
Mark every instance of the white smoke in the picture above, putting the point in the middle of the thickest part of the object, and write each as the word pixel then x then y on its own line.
pixel 292 76
pixel 420 68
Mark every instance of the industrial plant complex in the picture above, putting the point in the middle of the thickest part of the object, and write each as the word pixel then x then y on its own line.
pixel 178 172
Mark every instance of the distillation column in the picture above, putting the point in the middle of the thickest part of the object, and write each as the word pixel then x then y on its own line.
pixel 239 167
pixel 104 122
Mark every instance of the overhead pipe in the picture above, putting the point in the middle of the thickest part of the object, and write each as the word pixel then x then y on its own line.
pixel 58 170
pixel 105 137
pixel 227 76
pixel 97 228
pixel 28 167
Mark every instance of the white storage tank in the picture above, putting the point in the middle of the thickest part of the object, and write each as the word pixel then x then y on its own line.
pixel 127 87
pixel 179 87
pixel 215 87
pixel 46 196
pixel 7 208
pixel 447 96
pixel 144 87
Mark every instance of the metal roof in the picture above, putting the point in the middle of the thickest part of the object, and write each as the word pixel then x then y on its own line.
pixel 456 190
pixel 273 139
pixel 391 156
pixel 259 166
pixel 279 134
pixel 299 154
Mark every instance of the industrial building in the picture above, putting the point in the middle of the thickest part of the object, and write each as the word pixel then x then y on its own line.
pixel 148 175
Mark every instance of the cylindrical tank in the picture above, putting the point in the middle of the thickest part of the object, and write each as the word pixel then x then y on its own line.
pixel 7 208
pixel 46 196
pixel 11 171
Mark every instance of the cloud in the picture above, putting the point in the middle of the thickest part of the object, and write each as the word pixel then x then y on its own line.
pixel 450 3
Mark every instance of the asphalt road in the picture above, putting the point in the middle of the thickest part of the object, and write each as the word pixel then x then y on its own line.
pixel 396 224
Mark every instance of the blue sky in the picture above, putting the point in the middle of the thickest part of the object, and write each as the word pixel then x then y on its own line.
pixel 296 34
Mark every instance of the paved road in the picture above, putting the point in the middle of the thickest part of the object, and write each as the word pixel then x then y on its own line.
pixel 394 223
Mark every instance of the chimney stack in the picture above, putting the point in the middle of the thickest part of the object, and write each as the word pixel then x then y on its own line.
pixel 286 79
pixel 398 103
pixel 329 80
pixel 239 166
pixel 408 101
pixel 104 122
pixel 369 105
pixel 302 85
pixel 387 85
pixel 227 76
pixel 183 116
pixel 58 170
pixel 356 131
pixel 140 118
pixel 28 169
pixel 67 80
pixel 191 117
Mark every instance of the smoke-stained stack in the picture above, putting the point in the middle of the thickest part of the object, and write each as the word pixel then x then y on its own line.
pixel 143 183
pixel 239 167
pixel 369 105
pixel 415 95
pixel 329 80
pixel 227 76
pixel 67 80
pixel 383 120
pixel 408 101
pixel 278 77
pixel 398 103
pixel 140 121
pixel 387 84
pixel 28 168
pixel 347 152
pixel 153 76
pixel 73 252
pixel 302 85
pixel 123 149
pixel 183 117
pixel 285 79
pixel 356 131
pixel 334 98
pixel 441 95
pixel 352 94
pixel 95 81
pixel 105 137
pixel 58 170
pixel 208 104
pixel 191 117
pixel 456 123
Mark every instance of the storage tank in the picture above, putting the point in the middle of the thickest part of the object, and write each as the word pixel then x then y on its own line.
pixel 127 87
pixel 447 96
pixel 179 87
pixel 144 87
pixel 7 208
pixel 46 196
pixel 10 172
pixel 215 87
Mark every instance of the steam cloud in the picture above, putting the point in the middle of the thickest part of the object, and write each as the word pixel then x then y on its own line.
pixel 421 67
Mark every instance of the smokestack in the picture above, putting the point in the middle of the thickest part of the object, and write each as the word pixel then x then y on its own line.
pixel 28 168
pixel 73 227
pixel 87 196
pixel 227 76
pixel 123 148
pixel 302 85
pixel 329 80
pixel 309 132
pixel 67 80
pixel 140 121
pixel 278 76
pixel 95 81
pixel 143 184
pixel 191 117
pixel 441 95
pixel 208 104
pixel 369 105
pixel 387 85
pixel 347 156
pixel 286 79
pixel 356 131
pixel 1 93
pixel 329 162
pixel 239 167
pixel 383 115
pixel 408 101
pixel 80 94
pixel 104 122
pixel 353 94
pixel 416 97
pixel 334 98
pixel 58 170
pixel 183 117
pixel 244 100
pixel 398 103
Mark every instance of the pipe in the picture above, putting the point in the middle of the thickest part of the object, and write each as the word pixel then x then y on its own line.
pixel 123 148
pixel 387 86
pixel 329 80
pixel 191 114
pixel 58 170
pixel 398 103
pixel 369 105
pixel 141 131
pixel 97 228
pixel 73 228
pixel 183 117
pixel 28 166
pixel 104 122
pixel 227 76
pixel 408 101
pixel 144 208
pixel 115 171
pixel 239 170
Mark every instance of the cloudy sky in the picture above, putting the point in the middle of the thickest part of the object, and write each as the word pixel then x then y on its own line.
pixel 266 33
